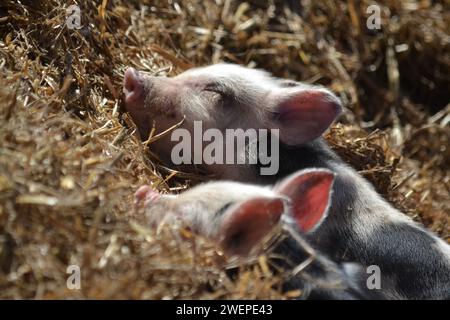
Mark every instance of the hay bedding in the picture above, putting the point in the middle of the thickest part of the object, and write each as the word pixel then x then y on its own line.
pixel 70 159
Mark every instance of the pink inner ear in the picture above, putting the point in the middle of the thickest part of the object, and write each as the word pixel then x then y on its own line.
pixel 247 223
pixel 305 115
pixel 310 195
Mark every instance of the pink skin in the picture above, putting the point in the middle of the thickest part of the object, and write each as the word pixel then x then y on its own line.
pixel 238 216
pixel 151 101
pixel 133 87
pixel 229 96
pixel 222 97
pixel 150 98
pixel 145 195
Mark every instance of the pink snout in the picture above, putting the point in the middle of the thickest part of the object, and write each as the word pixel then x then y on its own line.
pixel 145 195
pixel 133 88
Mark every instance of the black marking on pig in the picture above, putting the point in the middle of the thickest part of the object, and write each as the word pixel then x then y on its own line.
pixel 221 211
pixel 322 279
pixel 402 251
pixel 401 243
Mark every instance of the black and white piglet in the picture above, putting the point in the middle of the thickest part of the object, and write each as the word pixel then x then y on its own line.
pixel 240 216
pixel 361 226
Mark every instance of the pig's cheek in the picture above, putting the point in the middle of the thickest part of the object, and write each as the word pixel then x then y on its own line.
pixel 163 122
pixel 155 215
pixel 163 148
pixel 161 211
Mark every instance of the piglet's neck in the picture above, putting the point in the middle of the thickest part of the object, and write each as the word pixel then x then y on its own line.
pixel 316 154
pixel 349 189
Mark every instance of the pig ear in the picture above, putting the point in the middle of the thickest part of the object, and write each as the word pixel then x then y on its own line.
pixel 310 193
pixel 302 114
pixel 247 223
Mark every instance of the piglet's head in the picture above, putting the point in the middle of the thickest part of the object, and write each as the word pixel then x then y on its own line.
pixel 247 223
pixel 239 216
pixel 227 96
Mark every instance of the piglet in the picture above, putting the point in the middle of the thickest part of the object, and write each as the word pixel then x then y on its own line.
pixel 239 217
pixel 361 226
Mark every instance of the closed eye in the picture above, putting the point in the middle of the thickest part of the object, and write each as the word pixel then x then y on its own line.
pixel 219 89
pixel 223 209
pixel 214 86
pixel 222 96
pixel 289 84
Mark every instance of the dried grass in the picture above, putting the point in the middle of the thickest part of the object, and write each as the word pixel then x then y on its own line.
pixel 70 159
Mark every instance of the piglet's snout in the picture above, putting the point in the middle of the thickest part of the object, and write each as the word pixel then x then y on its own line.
pixel 133 88
pixel 145 195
